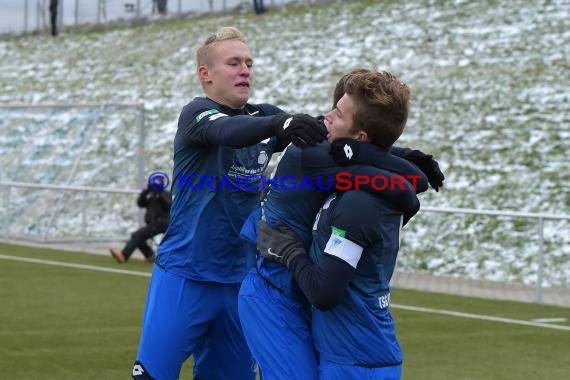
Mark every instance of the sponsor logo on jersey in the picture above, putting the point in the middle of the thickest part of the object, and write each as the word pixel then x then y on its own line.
pixel 348 151
pixel 287 123
pixel 384 301
pixel 206 113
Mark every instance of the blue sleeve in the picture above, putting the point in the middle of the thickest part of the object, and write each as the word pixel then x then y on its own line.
pixel 318 162
pixel 396 180
pixel 207 126
pixel 399 151
pixel 387 185
pixel 324 284
pixel 393 161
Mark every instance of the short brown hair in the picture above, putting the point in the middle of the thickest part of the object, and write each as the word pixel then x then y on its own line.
pixel 227 33
pixel 382 105
pixel 339 88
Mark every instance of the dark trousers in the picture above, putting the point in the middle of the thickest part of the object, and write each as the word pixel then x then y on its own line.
pixel 53 16
pixel 258 6
pixel 161 5
pixel 139 238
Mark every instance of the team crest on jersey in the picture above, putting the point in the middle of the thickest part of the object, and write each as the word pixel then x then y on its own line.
pixel 336 242
pixel 340 246
pixel 338 231
pixel 262 158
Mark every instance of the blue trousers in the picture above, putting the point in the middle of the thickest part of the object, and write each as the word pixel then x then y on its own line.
pixel 333 371
pixel 184 317
pixel 277 330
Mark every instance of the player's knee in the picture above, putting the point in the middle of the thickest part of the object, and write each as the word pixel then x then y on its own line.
pixel 140 372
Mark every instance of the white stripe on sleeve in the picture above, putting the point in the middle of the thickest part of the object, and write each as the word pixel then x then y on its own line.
pixel 344 249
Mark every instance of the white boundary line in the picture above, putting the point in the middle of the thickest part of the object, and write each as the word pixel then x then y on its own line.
pixel 395 306
pixel 72 265
pixel 549 320
pixel 481 317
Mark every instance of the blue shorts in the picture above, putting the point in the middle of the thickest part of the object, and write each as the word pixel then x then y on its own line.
pixel 184 317
pixel 334 371
pixel 278 332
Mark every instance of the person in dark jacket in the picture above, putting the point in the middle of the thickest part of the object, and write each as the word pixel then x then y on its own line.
pixel 53 16
pixel 161 6
pixel 258 7
pixel 157 203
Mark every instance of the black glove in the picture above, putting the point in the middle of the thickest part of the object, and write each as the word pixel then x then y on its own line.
pixel 301 129
pixel 345 150
pixel 281 245
pixel 428 165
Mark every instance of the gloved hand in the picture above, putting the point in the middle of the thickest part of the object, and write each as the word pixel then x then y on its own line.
pixel 345 150
pixel 428 165
pixel 301 129
pixel 281 245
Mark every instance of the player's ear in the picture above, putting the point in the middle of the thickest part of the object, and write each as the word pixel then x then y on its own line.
pixel 204 74
pixel 362 136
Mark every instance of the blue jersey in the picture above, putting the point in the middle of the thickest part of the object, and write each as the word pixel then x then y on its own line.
pixel 359 329
pixel 296 208
pixel 295 202
pixel 216 184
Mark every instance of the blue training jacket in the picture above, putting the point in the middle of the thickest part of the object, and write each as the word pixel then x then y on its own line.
pixel 220 155
pixel 359 329
pixel 298 206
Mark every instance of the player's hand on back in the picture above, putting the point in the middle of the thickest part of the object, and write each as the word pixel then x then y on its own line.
pixel 281 244
pixel 428 165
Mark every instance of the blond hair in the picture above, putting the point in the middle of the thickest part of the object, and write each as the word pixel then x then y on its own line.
pixel 228 33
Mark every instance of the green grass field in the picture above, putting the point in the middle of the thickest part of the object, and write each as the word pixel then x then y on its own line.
pixel 82 321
